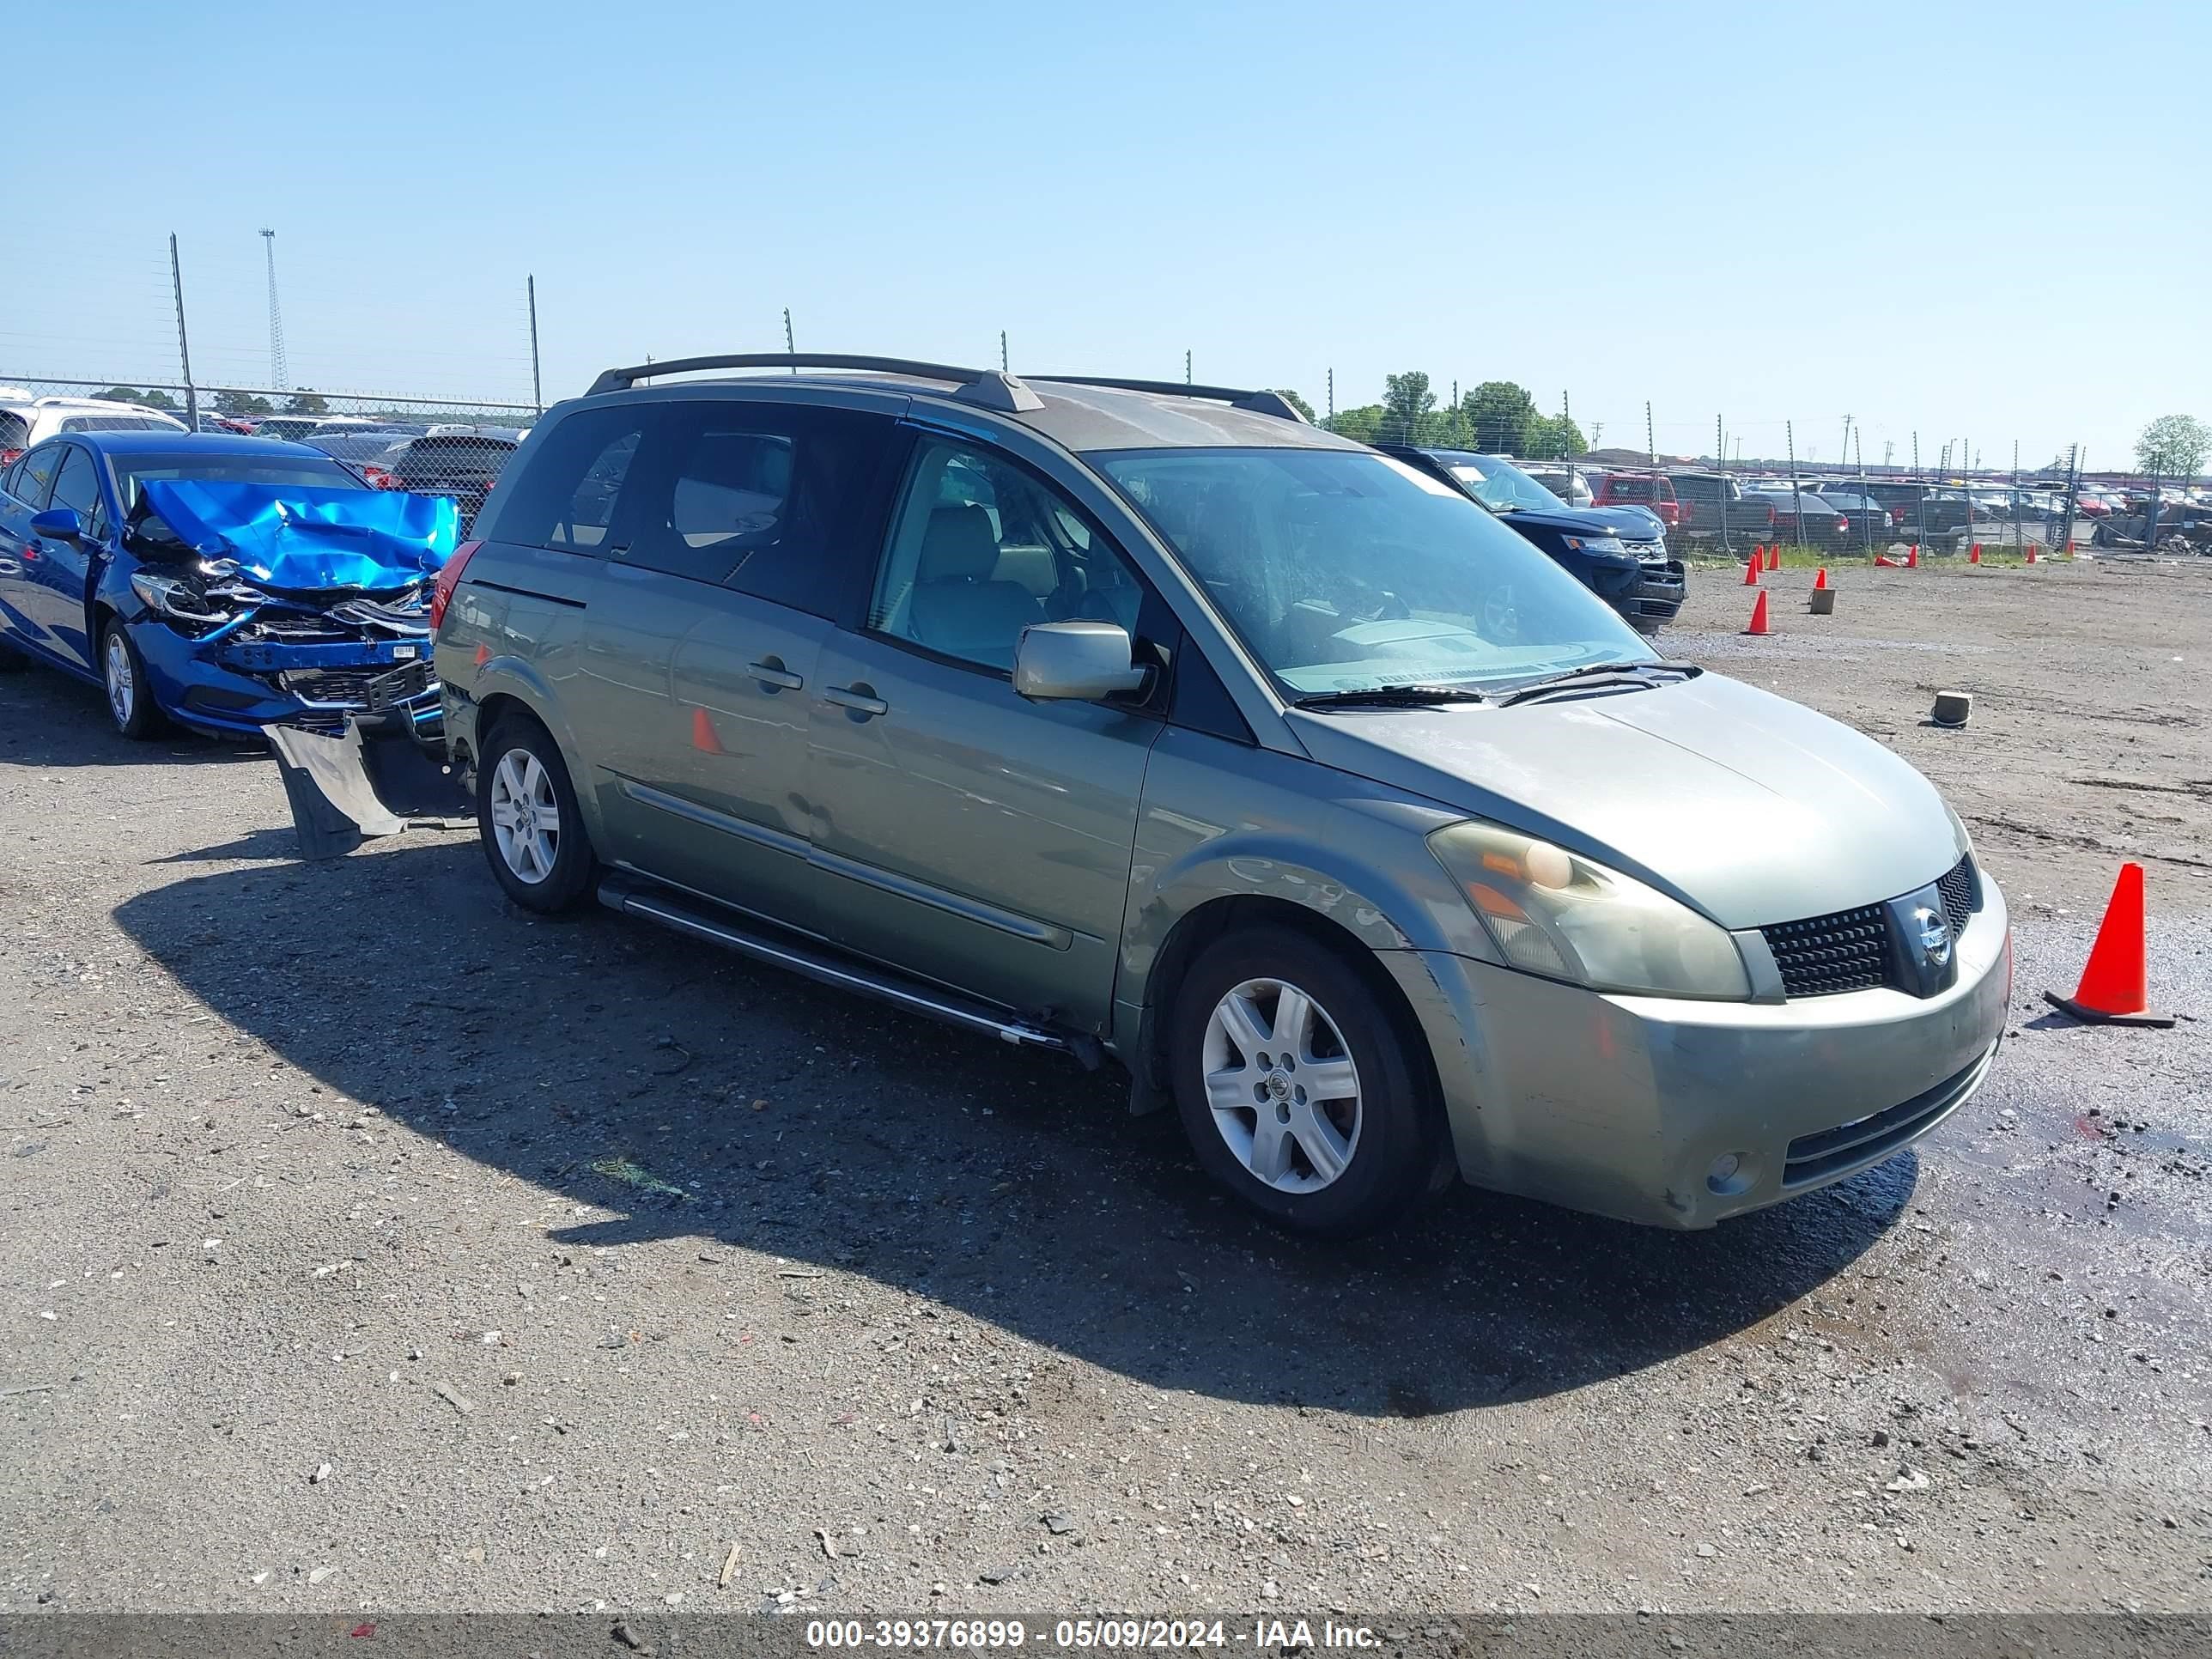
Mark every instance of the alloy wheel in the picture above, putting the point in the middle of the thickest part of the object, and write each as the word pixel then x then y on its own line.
pixel 122 683
pixel 1282 1085
pixel 525 815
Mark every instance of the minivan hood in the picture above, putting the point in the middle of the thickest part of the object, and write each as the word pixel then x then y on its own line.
pixel 1748 807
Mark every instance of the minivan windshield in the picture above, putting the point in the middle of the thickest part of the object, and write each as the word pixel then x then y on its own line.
pixel 1346 570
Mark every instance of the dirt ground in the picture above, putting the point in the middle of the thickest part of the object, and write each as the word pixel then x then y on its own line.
pixel 2091 736
pixel 367 1244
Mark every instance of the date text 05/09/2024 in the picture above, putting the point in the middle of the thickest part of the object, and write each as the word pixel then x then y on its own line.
pixel 1281 1635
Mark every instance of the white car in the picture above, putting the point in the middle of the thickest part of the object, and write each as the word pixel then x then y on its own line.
pixel 27 419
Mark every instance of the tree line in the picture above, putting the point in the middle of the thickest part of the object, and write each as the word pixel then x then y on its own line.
pixel 1497 417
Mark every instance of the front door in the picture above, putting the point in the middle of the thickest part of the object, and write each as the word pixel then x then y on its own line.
pixel 966 834
pixel 56 572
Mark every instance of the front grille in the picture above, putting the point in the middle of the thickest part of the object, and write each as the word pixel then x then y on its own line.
pixel 1825 955
pixel 293 628
pixel 1957 888
pixel 1850 1146
pixel 340 685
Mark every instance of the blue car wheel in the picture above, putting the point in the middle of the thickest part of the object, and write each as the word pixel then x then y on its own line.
pixel 130 703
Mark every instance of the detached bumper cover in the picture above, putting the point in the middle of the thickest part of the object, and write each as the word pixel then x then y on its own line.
pixel 1625 1105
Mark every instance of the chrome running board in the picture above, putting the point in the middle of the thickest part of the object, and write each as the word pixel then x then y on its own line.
pixel 699 919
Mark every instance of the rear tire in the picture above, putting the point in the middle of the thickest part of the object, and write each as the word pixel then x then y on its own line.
pixel 1297 1088
pixel 130 703
pixel 527 818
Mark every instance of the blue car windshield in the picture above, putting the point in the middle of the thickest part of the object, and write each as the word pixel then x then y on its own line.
pixel 1344 570
pixel 131 471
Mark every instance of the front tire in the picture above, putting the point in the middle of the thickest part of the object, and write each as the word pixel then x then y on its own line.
pixel 533 834
pixel 130 703
pixel 1297 1088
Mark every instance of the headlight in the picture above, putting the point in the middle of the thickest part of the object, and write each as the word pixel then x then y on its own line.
pixel 175 598
pixel 1554 913
pixel 1959 828
pixel 1595 544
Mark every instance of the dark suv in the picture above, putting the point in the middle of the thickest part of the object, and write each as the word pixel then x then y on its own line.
pixel 1619 553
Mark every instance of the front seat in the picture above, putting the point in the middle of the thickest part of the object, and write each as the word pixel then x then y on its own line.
pixel 957 607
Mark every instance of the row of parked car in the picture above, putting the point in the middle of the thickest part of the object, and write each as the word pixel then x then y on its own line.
pixel 437 458
pixel 1702 505
pixel 1115 719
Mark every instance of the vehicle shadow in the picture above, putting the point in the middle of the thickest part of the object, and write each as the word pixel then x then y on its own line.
pixel 47 718
pixel 587 1055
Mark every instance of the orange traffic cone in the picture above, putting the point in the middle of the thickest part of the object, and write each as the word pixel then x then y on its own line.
pixel 1974 554
pixel 1752 568
pixel 1774 557
pixel 483 653
pixel 1882 561
pixel 702 733
pixel 2114 990
pixel 2031 555
pixel 1820 579
pixel 1759 615
pixel 1912 557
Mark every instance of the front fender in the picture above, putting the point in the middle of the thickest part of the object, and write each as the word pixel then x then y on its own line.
pixel 1223 820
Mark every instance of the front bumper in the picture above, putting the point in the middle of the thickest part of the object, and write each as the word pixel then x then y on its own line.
pixel 1620 1105
pixel 224 684
pixel 1660 590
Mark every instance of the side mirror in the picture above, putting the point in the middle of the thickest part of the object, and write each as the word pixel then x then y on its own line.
pixel 58 523
pixel 1076 662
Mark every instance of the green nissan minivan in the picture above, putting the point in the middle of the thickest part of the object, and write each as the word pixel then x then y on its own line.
pixel 1148 723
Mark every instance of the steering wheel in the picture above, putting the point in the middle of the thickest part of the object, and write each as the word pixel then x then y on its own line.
pixel 1501 615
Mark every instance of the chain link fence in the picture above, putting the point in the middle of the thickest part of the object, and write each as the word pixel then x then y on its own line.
pixel 457 447
pixel 435 446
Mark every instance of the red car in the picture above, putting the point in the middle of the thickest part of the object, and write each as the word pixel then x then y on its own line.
pixel 1641 489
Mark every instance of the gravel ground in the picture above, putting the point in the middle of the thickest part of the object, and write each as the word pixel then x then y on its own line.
pixel 366 1243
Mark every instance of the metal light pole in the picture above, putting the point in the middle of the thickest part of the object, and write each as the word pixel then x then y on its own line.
pixel 536 383
pixel 184 347
pixel 279 370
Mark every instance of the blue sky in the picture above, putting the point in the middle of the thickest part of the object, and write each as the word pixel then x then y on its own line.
pixel 1977 221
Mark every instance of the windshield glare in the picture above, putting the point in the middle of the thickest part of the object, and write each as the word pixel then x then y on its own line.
pixel 1344 570
pixel 1501 484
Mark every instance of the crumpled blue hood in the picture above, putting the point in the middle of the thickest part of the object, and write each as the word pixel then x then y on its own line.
pixel 293 539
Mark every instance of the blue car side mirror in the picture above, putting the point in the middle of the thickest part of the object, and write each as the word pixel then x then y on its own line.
pixel 58 523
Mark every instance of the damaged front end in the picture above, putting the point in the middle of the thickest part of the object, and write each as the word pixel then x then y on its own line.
pixel 304 615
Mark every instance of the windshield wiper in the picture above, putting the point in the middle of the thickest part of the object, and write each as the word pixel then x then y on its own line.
pixel 1389 696
pixel 1597 671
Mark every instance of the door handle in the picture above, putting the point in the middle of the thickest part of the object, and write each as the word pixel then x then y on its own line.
pixel 860 699
pixel 774 674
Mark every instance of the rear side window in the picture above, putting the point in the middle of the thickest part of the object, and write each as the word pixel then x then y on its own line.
pixel 782 503
pixel 1629 489
pixel 565 497
pixel 36 473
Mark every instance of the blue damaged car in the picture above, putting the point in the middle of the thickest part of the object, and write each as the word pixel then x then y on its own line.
pixel 228 584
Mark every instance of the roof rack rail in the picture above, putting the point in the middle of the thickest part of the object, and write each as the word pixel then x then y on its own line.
pixel 1256 403
pixel 990 387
